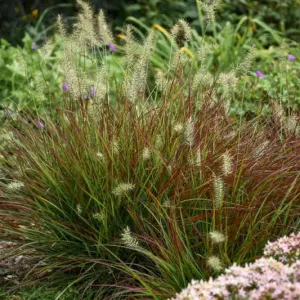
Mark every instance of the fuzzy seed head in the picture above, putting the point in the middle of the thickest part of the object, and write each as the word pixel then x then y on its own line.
pixel 189 133
pixel 227 164
pixel 84 27
pixel 180 59
pixel 123 189
pixel 166 203
pixel 198 160
pixel 128 240
pixel 159 142
pixel 210 8
pixel 146 153
pixel 181 31
pixel 100 155
pixel 278 112
pixel 160 80
pixel 195 159
pixel 132 49
pixel 106 37
pixel 79 209
pixel 217 237
pixel 15 185
pixel 261 149
pixel 137 79
pixel 40 84
pixel 98 216
pixel 229 82
pixel 218 191
pixel 60 26
pixel 115 147
pixel 45 51
pixel 291 124
pixel 247 63
pixel 215 263
pixel 202 79
pixel 283 51
pixel 178 128
pixel 76 79
pixel 204 51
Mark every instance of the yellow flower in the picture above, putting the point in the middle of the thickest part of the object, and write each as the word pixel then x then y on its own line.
pixel 121 36
pixel 188 51
pixel 35 13
pixel 160 28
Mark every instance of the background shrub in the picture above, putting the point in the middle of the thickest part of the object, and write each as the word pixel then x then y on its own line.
pixel 37 17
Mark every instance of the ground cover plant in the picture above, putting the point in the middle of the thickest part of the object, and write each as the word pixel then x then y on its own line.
pixel 266 278
pixel 132 190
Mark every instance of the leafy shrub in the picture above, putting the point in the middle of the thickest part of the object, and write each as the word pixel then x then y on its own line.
pixel 257 17
pixel 21 78
pixel 226 49
pixel 282 16
pixel 29 78
pixel 254 17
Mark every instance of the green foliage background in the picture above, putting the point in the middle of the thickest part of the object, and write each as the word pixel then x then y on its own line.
pixel 18 17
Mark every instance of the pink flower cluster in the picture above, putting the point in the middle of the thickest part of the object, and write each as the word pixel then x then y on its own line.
pixel 266 278
pixel 285 249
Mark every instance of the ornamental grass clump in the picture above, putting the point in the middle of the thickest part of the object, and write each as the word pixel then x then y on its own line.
pixel 129 191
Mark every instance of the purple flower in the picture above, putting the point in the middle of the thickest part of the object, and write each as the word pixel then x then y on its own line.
pixel 260 74
pixel 112 47
pixel 85 97
pixel 291 57
pixel 34 46
pixel 65 87
pixel 40 124
pixel 92 91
